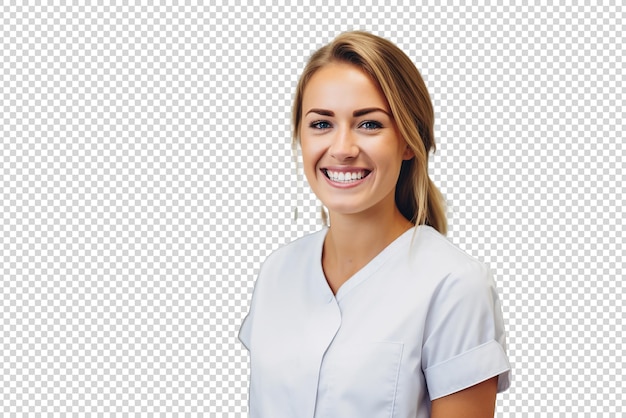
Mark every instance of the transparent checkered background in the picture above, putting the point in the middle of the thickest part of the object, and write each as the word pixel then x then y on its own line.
pixel 146 172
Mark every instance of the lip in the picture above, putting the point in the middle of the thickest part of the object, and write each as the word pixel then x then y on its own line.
pixel 348 185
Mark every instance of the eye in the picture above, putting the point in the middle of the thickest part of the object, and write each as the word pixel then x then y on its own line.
pixel 320 124
pixel 371 125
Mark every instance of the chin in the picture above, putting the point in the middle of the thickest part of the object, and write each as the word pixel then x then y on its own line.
pixel 343 208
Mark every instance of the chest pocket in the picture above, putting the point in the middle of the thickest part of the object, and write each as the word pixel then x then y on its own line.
pixel 359 380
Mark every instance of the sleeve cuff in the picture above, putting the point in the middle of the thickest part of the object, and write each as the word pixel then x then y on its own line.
pixel 468 369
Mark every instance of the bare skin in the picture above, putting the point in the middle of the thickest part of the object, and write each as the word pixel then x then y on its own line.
pixel 352 243
pixel 478 401
pixel 347 126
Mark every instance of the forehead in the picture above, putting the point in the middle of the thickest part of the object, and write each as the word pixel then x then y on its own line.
pixel 338 86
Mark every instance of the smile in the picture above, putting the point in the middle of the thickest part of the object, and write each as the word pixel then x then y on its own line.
pixel 345 176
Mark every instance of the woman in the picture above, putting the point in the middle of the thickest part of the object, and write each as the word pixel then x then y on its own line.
pixel 378 314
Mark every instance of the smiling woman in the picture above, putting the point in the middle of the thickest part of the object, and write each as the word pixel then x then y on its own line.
pixel 347 130
pixel 377 314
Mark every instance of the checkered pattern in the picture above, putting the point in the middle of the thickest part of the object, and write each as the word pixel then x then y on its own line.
pixel 146 172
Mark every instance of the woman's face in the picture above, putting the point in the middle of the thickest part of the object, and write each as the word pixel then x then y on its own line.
pixel 351 148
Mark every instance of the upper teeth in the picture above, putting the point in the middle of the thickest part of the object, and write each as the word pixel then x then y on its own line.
pixel 345 176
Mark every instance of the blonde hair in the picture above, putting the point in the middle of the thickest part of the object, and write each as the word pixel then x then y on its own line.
pixel 417 198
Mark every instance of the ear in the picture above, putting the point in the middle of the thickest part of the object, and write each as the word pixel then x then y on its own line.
pixel 408 153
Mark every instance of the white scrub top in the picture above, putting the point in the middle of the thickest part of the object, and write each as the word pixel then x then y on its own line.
pixel 420 321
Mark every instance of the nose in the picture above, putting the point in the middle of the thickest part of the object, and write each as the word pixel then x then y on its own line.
pixel 344 146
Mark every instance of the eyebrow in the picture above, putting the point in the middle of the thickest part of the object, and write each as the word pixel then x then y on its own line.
pixel 356 113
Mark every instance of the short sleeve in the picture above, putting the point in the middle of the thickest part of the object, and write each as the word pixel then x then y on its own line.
pixel 464 341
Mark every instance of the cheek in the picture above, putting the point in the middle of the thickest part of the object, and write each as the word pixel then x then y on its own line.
pixel 310 154
pixel 309 164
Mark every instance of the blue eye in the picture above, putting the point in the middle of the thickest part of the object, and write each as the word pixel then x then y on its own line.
pixel 371 125
pixel 320 124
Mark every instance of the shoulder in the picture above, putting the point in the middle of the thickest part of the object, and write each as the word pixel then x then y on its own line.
pixel 455 281
pixel 300 248
pixel 291 264
pixel 432 249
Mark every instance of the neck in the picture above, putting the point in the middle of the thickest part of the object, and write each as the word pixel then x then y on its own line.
pixel 353 240
pixel 353 235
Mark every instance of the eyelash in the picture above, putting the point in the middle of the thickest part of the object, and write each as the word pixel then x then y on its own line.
pixel 316 125
pixel 377 125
